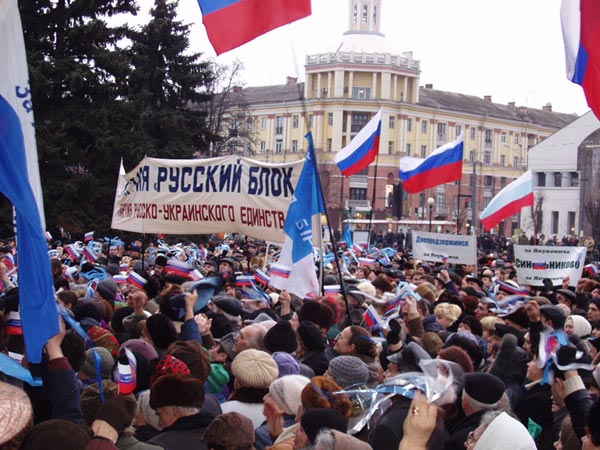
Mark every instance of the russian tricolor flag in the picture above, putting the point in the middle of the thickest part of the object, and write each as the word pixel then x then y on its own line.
pixel 262 277
pixel 442 166
pixel 509 201
pixel 120 279
pixel 538 266
pixel 580 24
pixel 136 279
pixel 231 23
pixel 178 267
pixel 244 280
pixel 89 236
pixel 371 316
pixel 89 254
pixel 72 251
pixel 366 262
pixel 362 150
pixel 278 270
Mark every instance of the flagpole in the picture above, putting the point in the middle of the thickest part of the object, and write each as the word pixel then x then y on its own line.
pixel 373 198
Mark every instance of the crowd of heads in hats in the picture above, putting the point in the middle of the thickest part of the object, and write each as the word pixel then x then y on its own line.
pixel 189 346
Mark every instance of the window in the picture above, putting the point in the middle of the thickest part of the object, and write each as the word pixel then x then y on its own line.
pixel 441 130
pixel 517 161
pixel 409 125
pixel 541 179
pixel 263 146
pixel 517 139
pixel 488 136
pixel 278 145
pixel 487 157
pixel 390 147
pixel 503 160
pixel 473 132
pixel 374 15
pixel 424 125
pixel 574 179
pixel 295 121
pixel 355 14
pixel 392 122
pixel 408 149
pixel 554 222
pixel 472 155
pixel 263 123
pixel 310 121
pixel 359 120
pixel 329 144
pixel 571 222
pixel 358 193
pixel 488 181
pixel 361 93
pixel 557 179
pixel 423 151
pixel 279 120
pixel 294 146
pixel 502 182
pixel 439 203
pixel 365 14
pixel 330 119
pixel 458 130
pixel 503 137
pixel 249 123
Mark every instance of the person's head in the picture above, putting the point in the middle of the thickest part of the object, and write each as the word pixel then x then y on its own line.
pixel 176 396
pixel 313 421
pixel 348 371
pixel 355 340
pixel 230 431
pixel 254 369
pixel 577 325
pixel 498 427
pixel 251 336
pixel 319 393
pixel 591 440
pixel 17 415
pixel 482 391
pixel 285 394
pixel 594 310
pixel 446 314
pixel 159 331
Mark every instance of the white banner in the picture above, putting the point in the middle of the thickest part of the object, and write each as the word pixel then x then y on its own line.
pixel 536 262
pixel 446 248
pixel 229 194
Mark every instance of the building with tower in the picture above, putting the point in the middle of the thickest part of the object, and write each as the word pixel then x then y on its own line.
pixel 345 86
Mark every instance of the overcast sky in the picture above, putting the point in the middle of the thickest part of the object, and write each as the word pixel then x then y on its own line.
pixel 511 50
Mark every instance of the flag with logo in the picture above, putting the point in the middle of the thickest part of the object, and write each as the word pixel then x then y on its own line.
pixel 297 253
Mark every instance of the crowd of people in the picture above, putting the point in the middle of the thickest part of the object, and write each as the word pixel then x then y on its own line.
pixel 181 347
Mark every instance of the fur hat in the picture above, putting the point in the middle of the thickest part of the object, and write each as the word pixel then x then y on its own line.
pixel 316 418
pixel 281 338
pixel 230 430
pixel 254 368
pixel 194 356
pixel 287 364
pixel 287 390
pixel 88 367
pixel 56 433
pixel 177 390
pixel 311 336
pixel 348 371
pixel 15 411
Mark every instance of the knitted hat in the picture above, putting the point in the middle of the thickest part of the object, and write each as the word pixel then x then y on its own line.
pixel 287 391
pixel 348 371
pixel 177 390
pixel 315 419
pixel 56 433
pixel 104 338
pixel 287 364
pixel 88 367
pixel 281 338
pixel 230 430
pixel 150 416
pixel 218 378
pixel 194 356
pixel 15 411
pixel 107 289
pixel 169 364
pixel 310 336
pixel 141 347
pixel 483 387
pixel 254 368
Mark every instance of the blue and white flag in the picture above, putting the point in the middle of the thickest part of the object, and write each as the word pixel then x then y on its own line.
pixel 20 183
pixel 348 235
pixel 297 251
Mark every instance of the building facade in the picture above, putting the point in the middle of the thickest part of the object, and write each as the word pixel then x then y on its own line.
pixel 345 86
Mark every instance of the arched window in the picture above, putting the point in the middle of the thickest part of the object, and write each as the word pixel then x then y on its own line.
pixel 355 14
pixel 365 15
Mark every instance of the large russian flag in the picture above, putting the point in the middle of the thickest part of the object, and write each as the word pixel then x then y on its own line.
pixel 231 23
pixel 442 166
pixel 509 201
pixel 580 24
pixel 362 150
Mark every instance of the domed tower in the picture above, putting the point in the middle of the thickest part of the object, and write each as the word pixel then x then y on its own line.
pixel 364 17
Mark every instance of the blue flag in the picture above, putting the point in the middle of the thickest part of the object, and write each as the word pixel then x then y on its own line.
pixel 18 182
pixel 348 235
pixel 297 252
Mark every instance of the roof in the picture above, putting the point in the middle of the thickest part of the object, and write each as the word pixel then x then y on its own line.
pixel 430 98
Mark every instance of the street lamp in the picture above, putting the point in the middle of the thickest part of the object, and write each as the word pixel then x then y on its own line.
pixel 430 202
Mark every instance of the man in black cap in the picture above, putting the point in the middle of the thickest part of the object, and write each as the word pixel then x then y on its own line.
pixel 482 392
pixel 567 297
pixel 552 317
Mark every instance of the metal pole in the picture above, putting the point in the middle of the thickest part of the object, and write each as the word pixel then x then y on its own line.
pixel 474 198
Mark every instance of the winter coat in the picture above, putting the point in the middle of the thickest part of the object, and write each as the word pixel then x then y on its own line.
pixel 185 434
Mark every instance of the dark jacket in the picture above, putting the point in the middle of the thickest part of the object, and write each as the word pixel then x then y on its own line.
pixel 185 434
pixel 536 405
pixel 317 361
pixel 459 432
pixel 131 443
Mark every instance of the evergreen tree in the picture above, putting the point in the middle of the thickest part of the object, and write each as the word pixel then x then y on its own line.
pixel 165 83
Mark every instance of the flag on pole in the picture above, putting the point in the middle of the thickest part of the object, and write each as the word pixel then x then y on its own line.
pixel 372 317
pixel 297 251
pixel 442 166
pixel 231 23
pixel 580 21
pixel 509 201
pixel 20 183
pixel 89 236
pixel 348 235
pixel 362 150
